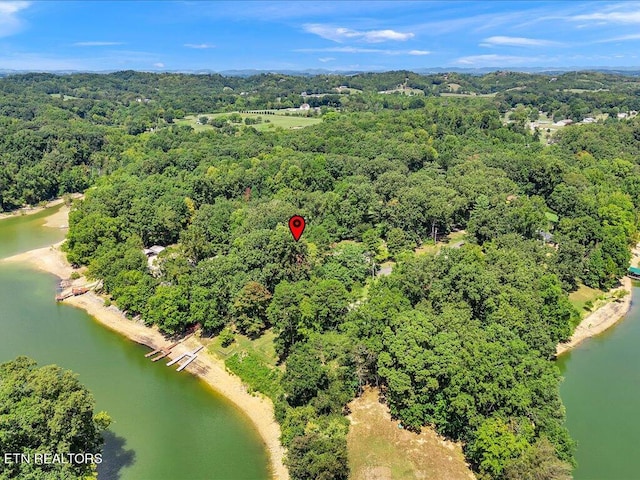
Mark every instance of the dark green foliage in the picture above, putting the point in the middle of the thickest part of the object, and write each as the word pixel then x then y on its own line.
pixel 461 340
pixel 169 309
pixel 304 377
pixel 318 457
pixel 349 263
pixel 46 409
pixel 250 308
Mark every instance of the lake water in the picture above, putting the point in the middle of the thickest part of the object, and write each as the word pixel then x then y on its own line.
pixel 601 393
pixel 166 425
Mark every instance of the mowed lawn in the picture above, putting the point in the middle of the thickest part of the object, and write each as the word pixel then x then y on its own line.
pixel 584 295
pixel 287 122
pixel 454 238
pixel 263 347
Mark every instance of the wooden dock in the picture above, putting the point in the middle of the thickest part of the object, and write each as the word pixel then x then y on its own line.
pixel 158 350
pixel 74 292
pixel 164 351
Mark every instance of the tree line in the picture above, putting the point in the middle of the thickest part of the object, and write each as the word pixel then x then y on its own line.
pixel 461 340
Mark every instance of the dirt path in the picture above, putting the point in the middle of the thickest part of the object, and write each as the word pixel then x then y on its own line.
pixel 208 368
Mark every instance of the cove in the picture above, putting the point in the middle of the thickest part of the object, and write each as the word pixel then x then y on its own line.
pixel 166 425
pixel 601 393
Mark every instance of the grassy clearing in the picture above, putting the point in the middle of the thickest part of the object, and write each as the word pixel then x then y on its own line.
pixel 254 361
pixel 269 122
pixel 404 91
pixel 586 299
pixel 449 240
pixel 379 450
pixel 468 94
pixel 262 347
pixel 65 97
pixel 347 90
pixel 257 375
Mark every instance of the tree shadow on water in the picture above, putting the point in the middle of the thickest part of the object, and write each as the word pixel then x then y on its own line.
pixel 115 457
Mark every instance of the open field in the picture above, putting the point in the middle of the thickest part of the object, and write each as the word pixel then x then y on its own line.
pixel 582 296
pixel 269 122
pixel 347 90
pixel 479 95
pixel 404 91
pixel 453 238
pixel 261 347
pixel 64 97
pixel 378 449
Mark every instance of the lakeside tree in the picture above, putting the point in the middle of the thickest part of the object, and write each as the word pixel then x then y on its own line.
pixel 460 338
pixel 46 409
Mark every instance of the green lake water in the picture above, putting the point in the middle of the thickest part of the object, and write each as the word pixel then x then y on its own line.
pixel 166 425
pixel 601 393
pixel 23 233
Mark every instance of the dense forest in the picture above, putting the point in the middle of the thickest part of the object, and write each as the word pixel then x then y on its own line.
pixel 461 338
pixel 46 410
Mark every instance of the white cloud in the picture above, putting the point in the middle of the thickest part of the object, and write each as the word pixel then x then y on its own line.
pixel 381 51
pixel 158 65
pixel 326 59
pixel 622 38
pixel 603 18
pixel 493 60
pixel 340 34
pixel 201 46
pixel 8 8
pixel 516 42
pixel 10 24
pixel 96 44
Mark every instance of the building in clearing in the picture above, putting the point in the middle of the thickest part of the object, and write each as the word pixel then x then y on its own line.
pixel 152 254
pixel 153 251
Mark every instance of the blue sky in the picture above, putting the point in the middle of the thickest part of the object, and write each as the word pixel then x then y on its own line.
pixel 367 35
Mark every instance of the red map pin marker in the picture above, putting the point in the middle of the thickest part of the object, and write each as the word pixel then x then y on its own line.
pixel 296 225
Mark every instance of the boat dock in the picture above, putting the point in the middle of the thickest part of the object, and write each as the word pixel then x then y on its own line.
pixel 164 351
pixel 189 356
pixel 74 292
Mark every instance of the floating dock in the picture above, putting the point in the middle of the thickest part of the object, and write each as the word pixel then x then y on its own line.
pixel 164 351
pixel 177 359
pixel 189 356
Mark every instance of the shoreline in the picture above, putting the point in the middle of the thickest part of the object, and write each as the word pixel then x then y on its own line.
pixel 599 320
pixel 606 316
pixel 24 211
pixel 258 409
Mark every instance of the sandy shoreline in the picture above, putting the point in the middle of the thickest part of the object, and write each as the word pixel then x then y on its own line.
pixel 211 370
pixel 602 319
pixel 606 316
pixel 55 218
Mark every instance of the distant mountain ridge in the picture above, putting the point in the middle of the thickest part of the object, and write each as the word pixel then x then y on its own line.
pixel 632 71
